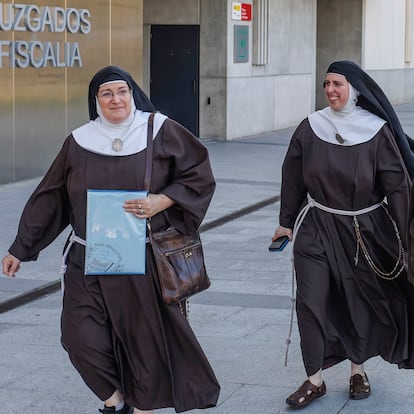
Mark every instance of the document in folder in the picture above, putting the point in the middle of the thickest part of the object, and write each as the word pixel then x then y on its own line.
pixel 115 239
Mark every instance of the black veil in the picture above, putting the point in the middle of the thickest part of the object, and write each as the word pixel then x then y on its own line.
pixel 111 73
pixel 373 99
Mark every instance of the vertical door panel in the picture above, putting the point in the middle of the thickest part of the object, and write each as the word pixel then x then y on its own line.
pixel 175 73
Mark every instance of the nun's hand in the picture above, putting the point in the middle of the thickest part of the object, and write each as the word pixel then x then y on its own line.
pixel 11 265
pixel 149 206
pixel 282 231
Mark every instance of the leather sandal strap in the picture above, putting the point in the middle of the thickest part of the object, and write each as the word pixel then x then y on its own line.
pixel 305 394
pixel 359 383
pixel 304 391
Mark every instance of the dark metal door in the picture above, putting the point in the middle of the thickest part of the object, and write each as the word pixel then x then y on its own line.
pixel 175 72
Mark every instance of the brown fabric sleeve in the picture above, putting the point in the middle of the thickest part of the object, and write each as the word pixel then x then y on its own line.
pixel 191 183
pixel 45 215
pixel 293 191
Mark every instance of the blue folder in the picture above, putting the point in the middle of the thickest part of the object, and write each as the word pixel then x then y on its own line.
pixel 115 239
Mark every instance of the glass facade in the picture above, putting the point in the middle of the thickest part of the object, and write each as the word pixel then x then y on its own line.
pixel 49 50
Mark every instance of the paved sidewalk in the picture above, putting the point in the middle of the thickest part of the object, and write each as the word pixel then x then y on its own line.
pixel 242 321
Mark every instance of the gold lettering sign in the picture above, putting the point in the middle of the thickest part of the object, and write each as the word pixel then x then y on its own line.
pixel 32 18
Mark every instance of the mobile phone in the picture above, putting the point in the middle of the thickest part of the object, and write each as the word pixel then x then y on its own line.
pixel 279 244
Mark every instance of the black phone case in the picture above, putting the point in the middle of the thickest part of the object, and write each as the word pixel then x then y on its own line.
pixel 279 244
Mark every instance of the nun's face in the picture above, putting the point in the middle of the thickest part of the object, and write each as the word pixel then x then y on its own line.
pixel 115 101
pixel 336 91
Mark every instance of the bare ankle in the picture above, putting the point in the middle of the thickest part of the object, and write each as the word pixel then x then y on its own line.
pixel 316 379
pixel 115 399
pixel 357 369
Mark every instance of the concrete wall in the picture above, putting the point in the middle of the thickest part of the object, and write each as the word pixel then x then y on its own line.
pixel 238 99
pixel 281 93
pixel 171 11
pixel 388 46
pixel 377 34
pixel 304 36
pixel 398 84
pixel 339 37
pixel 384 35
pixel 213 68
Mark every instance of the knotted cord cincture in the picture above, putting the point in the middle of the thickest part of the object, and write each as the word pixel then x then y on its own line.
pixel 298 222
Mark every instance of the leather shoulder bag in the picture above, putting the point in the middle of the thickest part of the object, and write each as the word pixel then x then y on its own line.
pixel 179 257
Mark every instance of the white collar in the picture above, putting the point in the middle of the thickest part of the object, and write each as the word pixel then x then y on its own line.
pixel 350 126
pixel 95 136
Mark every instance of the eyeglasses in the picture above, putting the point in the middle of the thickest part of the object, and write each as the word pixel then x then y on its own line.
pixel 108 95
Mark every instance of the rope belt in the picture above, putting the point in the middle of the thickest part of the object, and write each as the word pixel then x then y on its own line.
pixel 398 268
pixel 73 238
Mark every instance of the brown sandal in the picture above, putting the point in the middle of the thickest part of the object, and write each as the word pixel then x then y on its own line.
pixel 359 387
pixel 306 393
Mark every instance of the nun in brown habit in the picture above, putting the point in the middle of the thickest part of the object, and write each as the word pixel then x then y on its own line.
pixel 344 203
pixel 135 353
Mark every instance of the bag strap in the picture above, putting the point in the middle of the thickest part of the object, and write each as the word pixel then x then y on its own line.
pixel 148 159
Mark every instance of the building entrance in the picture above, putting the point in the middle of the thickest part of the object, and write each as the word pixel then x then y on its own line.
pixel 174 83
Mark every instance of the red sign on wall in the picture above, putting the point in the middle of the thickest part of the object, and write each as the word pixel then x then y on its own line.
pixel 240 11
pixel 246 11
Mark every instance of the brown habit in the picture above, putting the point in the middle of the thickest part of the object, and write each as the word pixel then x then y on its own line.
pixel 344 310
pixel 116 329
